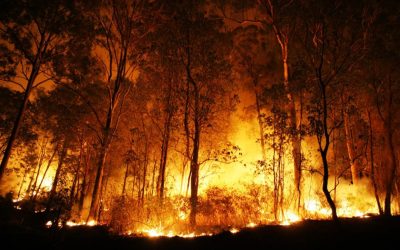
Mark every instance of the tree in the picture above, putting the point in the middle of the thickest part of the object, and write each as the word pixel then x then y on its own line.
pixel 122 26
pixel 332 47
pixel 203 60
pixel 280 16
pixel 32 33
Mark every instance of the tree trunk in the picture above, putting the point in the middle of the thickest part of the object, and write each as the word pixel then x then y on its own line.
pixel 57 176
pixel 84 184
pixel 125 178
pixel 354 163
pixel 164 156
pixel 261 128
pixel 94 205
pixel 41 157
pixel 22 184
pixel 293 124
pixel 371 136
pixel 324 148
pixel 73 188
pixel 45 171
pixel 28 190
pixel 325 186
pixel 194 181
pixel 75 183
pixel 391 171
pixel 19 119
pixel 153 178
pixel 145 163
pixel 194 164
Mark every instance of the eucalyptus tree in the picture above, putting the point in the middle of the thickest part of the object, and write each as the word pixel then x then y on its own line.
pixel 122 27
pixel 32 34
pixel 332 46
pixel 202 51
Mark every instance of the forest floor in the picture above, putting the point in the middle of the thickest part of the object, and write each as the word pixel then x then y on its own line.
pixel 352 233
pixel 370 233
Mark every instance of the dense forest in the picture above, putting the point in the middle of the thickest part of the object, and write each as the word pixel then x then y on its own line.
pixel 167 116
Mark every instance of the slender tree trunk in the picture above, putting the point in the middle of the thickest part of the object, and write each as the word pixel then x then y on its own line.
pixel 19 118
pixel 145 163
pixel 75 183
pixel 45 171
pixel 84 184
pixel 261 127
pixel 125 178
pixel 22 184
pixel 354 163
pixel 41 158
pixel 144 183
pixel 325 186
pixel 194 164
pixel 57 176
pixel 153 178
pixel 275 170
pixel 293 124
pixel 391 172
pixel 73 188
pixel 194 182
pixel 28 190
pixel 164 156
pixel 187 134
pixel 324 149
pixel 94 206
pixel 371 136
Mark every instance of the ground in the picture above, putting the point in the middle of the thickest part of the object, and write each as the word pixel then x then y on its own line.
pixel 368 233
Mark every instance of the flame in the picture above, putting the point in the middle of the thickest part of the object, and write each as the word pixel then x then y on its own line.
pixel 291 218
pixel 244 195
pixel 251 225
pixel 158 232
pixel 153 233
pixel 49 224
pixel 90 223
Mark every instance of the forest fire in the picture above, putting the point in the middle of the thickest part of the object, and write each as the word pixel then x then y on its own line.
pixel 161 119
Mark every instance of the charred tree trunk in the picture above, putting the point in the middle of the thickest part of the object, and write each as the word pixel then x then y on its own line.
pixel 73 189
pixel 61 159
pixel 194 163
pixel 324 142
pixel 125 178
pixel 22 184
pixel 373 180
pixel 164 156
pixel 84 184
pixel 391 165
pixel 194 181
pixel 391 161
pixel 94 206
pixel 187 135
pixel 103 191
pixel 75 183
pixel 31 177
pixel 325 186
